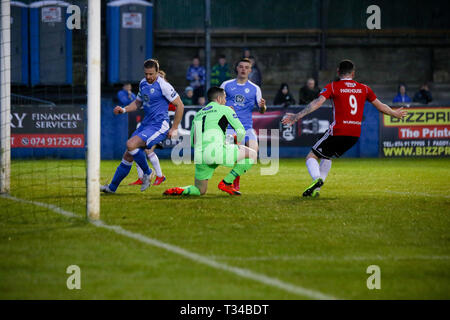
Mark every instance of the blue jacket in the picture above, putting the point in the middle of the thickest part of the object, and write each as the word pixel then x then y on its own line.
pixel 200 71
pixel 400 98
pixel 122 95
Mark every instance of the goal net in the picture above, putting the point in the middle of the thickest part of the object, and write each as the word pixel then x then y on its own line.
pixel 44 108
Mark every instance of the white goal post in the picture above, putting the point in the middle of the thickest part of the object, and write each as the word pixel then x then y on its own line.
pixel 5 97
pixel 93 110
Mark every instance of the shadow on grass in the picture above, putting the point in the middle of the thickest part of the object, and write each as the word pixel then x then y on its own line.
pixel 187 198
pixel 298 199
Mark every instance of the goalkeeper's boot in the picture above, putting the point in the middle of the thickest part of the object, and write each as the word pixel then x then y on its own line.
pixel 159 180
pixel 174 192
pixel 106 189
pixel 137 182
pixel 147 180
pixel 228 188
pixel 315 184
pixel 237 183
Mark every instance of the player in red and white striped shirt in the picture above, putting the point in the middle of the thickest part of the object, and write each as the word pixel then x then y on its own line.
pixel 348 98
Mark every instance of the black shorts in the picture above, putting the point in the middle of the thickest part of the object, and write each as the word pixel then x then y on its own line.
pixel 333 146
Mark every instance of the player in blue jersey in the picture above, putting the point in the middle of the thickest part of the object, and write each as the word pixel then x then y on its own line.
pixel 242 95
pixel 154 95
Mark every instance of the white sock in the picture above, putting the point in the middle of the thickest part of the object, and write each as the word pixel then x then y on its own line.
pixel 325 166
pixel 313 168
pixel 155 163
pixel 139 171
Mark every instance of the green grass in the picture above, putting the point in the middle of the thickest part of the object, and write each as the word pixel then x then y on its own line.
pixel 390 213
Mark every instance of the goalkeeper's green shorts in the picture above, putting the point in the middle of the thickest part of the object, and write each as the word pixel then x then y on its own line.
pixel 229 156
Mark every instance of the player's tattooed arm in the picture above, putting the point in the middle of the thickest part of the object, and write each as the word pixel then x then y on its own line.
pixel 291 118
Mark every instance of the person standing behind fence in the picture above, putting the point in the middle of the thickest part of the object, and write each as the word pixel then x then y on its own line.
pixel 308 92
pixel 196 76
pixel 220 72
pixel 126 96
pixel 284 97
pixel 255 75
pixel 401 95
pixel 423 95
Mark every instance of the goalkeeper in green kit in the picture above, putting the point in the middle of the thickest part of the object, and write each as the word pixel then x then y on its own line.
pixel 211 150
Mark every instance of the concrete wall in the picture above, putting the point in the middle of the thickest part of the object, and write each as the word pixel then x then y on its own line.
pixel 383 65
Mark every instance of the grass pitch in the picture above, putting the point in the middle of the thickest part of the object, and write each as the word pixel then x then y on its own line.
pixel 390 213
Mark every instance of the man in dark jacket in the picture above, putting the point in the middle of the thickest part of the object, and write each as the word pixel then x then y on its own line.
pixel 308 92
pixel 423 95
pixel 255 75
pixel 284 97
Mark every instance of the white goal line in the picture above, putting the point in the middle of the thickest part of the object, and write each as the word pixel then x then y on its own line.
pixel 331 258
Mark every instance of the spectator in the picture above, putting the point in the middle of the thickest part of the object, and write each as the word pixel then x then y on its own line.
pixel 196 77
pixel 255 75
pixel 423 95
pixel 162 74
pixel 401 95
pixel 201 101
pixel 220 72
pixel 284 97
pixel 308 92
pixel 246 53
pixel 188 94
pixel 125 95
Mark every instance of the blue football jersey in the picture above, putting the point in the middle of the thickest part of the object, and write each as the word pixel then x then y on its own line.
pixel 155 99
pixel 243 98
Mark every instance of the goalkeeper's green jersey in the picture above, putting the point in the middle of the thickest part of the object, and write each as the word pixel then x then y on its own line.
pixel 210 124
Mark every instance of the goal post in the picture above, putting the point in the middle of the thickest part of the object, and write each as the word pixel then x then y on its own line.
pixel 93 109
pixel 5 99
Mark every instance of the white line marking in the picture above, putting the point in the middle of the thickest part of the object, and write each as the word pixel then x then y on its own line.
pixel 244 273
pixel 406 193
pixel 330 258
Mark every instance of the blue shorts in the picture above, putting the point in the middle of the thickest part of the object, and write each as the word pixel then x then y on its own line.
pixel 152 134
pixel 250 134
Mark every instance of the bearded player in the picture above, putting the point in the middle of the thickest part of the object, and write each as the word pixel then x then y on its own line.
pixel 243 95
pixel 154 95
pixel 210 149
pixel 348 98
pixel 151 155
